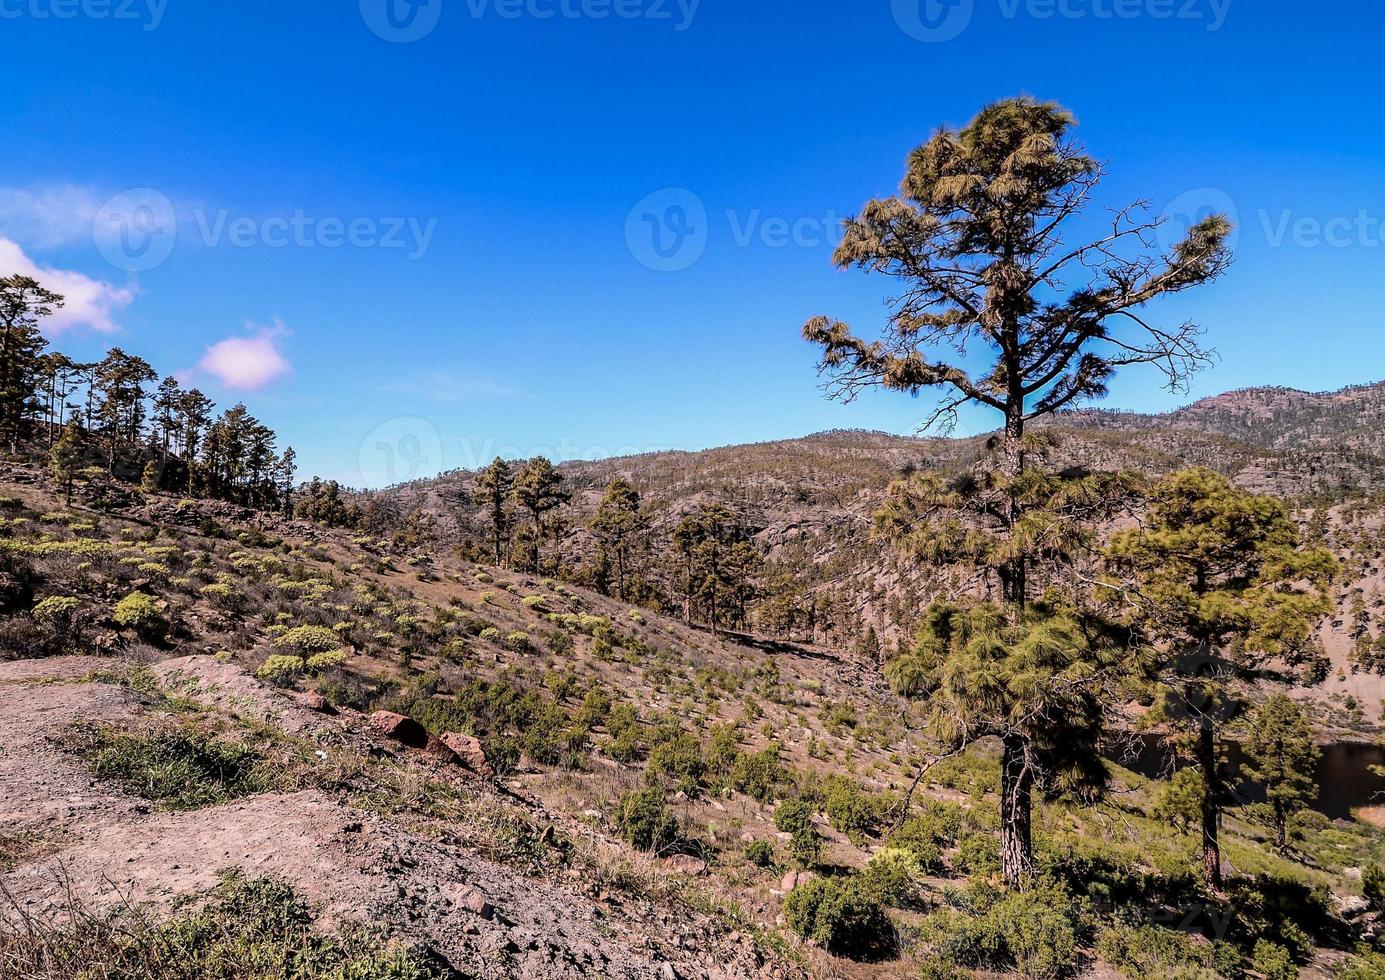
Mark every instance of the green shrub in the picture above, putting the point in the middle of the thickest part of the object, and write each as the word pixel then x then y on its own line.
pixel 1150 953
pixel 518 642
pixel 139 611
pixel 57 608
pixel 645 821
pixel 307 640
pixel 839 915
pixel 1365 965
pixel 222 594
pixel 848 809
pixel 760 853
pixel 1033 933
pixel 1273 961
pixel 676 755
pixel 895 876
pixel 491 635
pixel 281 669
pixel 180 766
pixel 319 662
pixel 1373 886
pixel 793 816
pixel 756 774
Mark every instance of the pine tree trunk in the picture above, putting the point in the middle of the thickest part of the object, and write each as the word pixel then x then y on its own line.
pixel 1016 776
pixel 1211 799
pixel 1016 806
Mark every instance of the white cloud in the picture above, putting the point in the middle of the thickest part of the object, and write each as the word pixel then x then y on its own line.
pixel 247 362
pixel 89 302
pixel 48 215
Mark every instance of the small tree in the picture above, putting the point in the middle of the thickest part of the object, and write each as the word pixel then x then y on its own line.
pixel 1222 578
pixel 1283 756
pixel 538 489
pixel 492 491
pixel 617 527
pixel 65 458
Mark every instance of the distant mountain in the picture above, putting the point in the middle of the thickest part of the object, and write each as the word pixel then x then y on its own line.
pixel 1272 418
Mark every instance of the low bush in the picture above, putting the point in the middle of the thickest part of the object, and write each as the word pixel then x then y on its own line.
pixel 760 853
pixel 645 821
pixel 140 612
pixel 840 916
pixel 281 669
pixel 1034 933
pixel 308 640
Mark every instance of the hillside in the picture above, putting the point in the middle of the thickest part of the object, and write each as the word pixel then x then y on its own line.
pixel 809 501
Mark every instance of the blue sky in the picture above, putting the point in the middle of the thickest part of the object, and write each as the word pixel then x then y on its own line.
pixel 410 247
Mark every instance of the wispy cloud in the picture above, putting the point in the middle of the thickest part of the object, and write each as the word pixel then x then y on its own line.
pixel 445 387
pixel 248 362
pixel 44 216
pixel 89 302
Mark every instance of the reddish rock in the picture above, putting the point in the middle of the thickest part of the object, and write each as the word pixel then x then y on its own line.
pixel 314 702
pixel 404 730
pixel 686 864
pixel 469 753
pixel 474 901
pixel 438 749
pixel 795 878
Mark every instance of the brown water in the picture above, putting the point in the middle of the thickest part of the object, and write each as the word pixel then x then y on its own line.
pixel 1343 775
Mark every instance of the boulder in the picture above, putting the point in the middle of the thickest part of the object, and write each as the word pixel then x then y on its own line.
pixel 437 749
pixel 686 864
pixel 314 702
pixel 402 729
pixel 469 752
pixel 795 878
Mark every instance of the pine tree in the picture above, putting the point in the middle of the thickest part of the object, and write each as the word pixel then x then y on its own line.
pixel 492 491
pixel 23 303
pixel 538 489
pixel 65 458
pixel 167 399
pixel 975 242
pixel 1283 757
pixel 617 526
pixel 1224 581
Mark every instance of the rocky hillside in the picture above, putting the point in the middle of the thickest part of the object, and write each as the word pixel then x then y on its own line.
pixel 248 741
